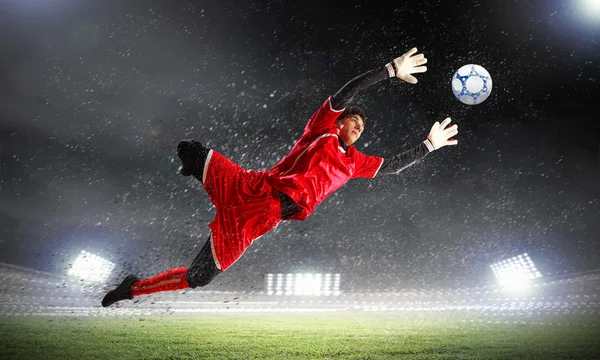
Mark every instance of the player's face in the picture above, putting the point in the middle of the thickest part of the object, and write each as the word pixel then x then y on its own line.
pixel 350 128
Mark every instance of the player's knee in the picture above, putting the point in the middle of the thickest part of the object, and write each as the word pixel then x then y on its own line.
pixel 187 145
pixel 192 148
pixel 197 279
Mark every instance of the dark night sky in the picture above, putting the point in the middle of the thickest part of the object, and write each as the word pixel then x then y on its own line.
pixel 95 95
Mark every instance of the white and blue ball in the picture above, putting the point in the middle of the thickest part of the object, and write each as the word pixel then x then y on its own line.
pixel 471 84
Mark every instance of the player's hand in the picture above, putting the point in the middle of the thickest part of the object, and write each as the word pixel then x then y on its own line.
pixel 440 135
pixel 409 64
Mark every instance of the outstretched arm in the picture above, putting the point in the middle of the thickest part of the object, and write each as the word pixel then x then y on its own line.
pixel 401 67
pixel 344 96
pixel 397 163
pixel 439 136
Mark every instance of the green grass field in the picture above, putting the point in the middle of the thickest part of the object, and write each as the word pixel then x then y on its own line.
pixel 298 336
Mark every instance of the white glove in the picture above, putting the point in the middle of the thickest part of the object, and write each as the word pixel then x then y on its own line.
pixel 440 134
pixel 409 64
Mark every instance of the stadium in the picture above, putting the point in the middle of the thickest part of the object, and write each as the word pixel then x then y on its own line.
pixel 146 145
pixel 303 316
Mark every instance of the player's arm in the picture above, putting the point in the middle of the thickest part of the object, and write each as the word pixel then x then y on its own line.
pixel 439 136
pixel 399 162
pixel 401 67
pixel 344 96
pixel 324 118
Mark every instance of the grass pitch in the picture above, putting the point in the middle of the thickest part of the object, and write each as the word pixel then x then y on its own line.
pixel 298 336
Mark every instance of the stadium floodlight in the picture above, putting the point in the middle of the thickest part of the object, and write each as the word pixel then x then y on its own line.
pixel 279 285
pixel 588 12
pixel 316 285
pixel 303 284
pixel 336 284
pixel 516 272
pixel 270 284
pixel 92 267
pixel 289 284
pixel 327 285
pixel 591 6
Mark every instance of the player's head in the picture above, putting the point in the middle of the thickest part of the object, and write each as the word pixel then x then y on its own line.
pixel 351 124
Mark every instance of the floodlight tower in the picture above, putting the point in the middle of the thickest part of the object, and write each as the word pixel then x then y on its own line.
pixel 303 284
pixel 591 6
pixel 91 267
pixel 588 12
pixel 269 284
pixel 515 273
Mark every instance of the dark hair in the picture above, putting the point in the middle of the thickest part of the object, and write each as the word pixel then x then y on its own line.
pixel 353 110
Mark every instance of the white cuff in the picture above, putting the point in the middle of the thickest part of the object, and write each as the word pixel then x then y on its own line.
pixel 429 145
pixel 390 68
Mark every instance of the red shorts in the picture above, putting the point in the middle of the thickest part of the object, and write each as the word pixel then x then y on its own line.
pixel 247 207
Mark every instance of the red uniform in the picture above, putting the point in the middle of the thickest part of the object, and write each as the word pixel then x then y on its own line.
pixel 247 202
pixel 318 165
pixel 251 203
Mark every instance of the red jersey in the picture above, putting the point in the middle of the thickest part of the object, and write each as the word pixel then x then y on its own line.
pixel 318 165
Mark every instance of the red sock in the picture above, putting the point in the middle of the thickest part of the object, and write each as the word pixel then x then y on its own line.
pixel 173 279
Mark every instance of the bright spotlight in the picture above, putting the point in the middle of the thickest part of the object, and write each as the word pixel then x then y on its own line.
pixel 592 6
pixel 91 267
pixel 589 11
pixel 516 272
pixel 289 284
pixel 270 284
pixel 303 284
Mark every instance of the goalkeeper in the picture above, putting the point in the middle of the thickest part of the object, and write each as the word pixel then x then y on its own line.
pixel 251 203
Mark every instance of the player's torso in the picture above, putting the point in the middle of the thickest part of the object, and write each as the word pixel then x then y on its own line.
pixel 317 166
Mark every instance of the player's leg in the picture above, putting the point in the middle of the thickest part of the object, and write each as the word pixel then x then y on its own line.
pixel 193 157
pixel 220 176
pixel 132 286
pixel 202 271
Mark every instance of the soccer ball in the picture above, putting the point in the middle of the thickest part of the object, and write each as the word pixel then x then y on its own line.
pixel 471 84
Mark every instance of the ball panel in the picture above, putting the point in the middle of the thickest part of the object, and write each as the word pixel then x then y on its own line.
pixel 481 71
pixel 467 99
pixel 464 70
pixel 474 84
pixel 483 96
pixel 456 86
